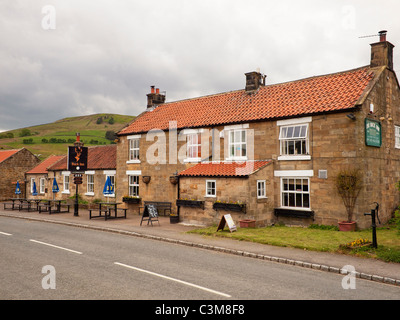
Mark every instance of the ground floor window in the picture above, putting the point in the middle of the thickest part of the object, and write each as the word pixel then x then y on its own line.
pixel 133 186
pixel 295 192
pixel 211 188
pixel 90 183
pixel 42 185
pixel 261 189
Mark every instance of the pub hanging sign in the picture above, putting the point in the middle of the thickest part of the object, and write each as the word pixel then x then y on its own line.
pixel 77 159
pixel 373 133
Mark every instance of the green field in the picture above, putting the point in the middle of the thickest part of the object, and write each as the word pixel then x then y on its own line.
pixel 54 138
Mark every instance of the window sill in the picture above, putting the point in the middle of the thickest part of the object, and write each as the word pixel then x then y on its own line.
pixel 65 192
pixel 133 161
pixel 190 160
pixel 294 157
pixel 89 194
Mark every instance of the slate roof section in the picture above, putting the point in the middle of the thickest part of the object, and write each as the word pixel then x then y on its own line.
pixel 99 157
pixel 225 169
pixel 41 168
pixel 314 95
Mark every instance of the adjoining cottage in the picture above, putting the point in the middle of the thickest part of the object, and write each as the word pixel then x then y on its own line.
pixel 101 164
pixel 307 130
pixel 13 165
pixel 39 176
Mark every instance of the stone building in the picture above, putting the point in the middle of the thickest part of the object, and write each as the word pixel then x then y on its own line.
pixel 101 164
pixel 13 165
pixel 305 132
pixel 40 175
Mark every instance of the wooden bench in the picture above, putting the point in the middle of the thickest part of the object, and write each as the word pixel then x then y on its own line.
pixel 107 208
pixel 12 206
pixel 165 206
pixel 48 207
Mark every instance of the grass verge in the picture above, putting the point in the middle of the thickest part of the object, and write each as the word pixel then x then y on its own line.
pixel 318 239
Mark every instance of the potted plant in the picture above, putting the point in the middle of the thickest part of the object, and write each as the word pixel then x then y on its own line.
pixel 131 199
pixel 348 184
pixel 173 218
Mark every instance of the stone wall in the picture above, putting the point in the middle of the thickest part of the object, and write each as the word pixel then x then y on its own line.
pixel 13 169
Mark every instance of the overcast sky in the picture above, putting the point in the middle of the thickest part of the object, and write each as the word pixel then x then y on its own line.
pixel 83 57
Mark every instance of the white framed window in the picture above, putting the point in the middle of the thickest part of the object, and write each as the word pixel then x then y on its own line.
pixel 32 182
pixel 42 186
pixel 211 188
pixel 65 181
pixel 238 144
pixel 261 189
pixel 294 139
pixel 397 137
pixel 90 184
pixel 295 192
pixel 194 147
pixel 133 186
pixel 133 149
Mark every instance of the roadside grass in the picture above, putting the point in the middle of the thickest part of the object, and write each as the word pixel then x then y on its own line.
pixel 317 238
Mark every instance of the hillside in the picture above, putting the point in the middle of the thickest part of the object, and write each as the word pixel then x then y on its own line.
pixel 54 138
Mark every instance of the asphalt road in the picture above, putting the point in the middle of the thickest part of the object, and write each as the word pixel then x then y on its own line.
pixel 87 264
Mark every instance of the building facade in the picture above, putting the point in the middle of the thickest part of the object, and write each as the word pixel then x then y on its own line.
pixel 306 132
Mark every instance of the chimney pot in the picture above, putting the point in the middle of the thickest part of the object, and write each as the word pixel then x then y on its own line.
pixel 157 91
pixel 152 89
pixel 382 35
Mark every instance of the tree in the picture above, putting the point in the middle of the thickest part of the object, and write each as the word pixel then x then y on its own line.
pixel 25 133
pixel 349 184
pixel 110 135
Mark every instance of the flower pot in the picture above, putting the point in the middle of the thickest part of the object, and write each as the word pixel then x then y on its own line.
pixel 347 226
pixel 131 200
pixel 230 206
pixel 173 219
pixel 173 179
pixel 146 179
pixel 247 223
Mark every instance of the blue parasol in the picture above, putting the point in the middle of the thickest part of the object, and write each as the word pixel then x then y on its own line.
pixel 108 187
pixel 34 191
pixel 17 188
pixel 55 188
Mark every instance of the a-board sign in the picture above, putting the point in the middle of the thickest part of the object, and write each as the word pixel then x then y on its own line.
pixel 151 211
pixel 227 219
pixel 77 159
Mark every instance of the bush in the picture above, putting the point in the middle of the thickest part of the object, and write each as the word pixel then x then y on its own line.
pixel 25 133
pixel 27 141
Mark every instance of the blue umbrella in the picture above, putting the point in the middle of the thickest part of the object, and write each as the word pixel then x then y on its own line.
pixel 34 191
pixel 108 187
pixel 17 188
pixel 55 188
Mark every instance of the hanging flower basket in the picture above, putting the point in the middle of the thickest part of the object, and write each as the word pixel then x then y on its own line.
pixel 131 199
pixel 173 179
pixel 190 203
pixel 236 207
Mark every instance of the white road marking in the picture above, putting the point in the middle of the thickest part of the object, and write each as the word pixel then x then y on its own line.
pixel 54 246
pixel 173 279
pixel 6 234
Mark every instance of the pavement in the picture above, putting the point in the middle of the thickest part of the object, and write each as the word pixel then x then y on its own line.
pixel 365 268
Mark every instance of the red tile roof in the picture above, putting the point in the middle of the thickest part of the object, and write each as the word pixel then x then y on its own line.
pixel 99 157
pixel 42 167
pixel 224 169
pixel 4 154
pixel 327 93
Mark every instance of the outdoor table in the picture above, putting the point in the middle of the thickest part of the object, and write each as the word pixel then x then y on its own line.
pixel 37 201
pixel 49 204
pixel 13 207
pixel 107 208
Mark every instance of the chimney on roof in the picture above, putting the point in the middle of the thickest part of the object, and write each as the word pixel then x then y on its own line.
pixel 155 98
pixel 254 80
pixel 382 52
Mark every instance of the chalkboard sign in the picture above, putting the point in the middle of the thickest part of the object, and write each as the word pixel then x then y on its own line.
pixel 150 213
pixel 152 210
pixel 227 219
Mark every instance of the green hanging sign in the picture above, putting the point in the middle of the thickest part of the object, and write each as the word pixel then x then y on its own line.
pixel 373 133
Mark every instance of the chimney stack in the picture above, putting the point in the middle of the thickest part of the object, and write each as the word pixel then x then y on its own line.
pixel 254 80
pixel 154 98
pixel 382 52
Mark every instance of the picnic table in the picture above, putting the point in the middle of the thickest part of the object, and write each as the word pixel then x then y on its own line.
pixel 107 208
pixel 53 206
pixel 22 204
